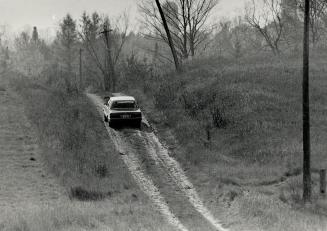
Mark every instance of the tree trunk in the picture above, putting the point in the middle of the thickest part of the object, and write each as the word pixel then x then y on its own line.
pixel 192 49
pixel 170 40
pixel 185 52
pixel 192 45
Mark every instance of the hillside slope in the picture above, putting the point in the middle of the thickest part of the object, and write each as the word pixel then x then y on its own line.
pixel 24 179
pixel 236 128
pixel 45 132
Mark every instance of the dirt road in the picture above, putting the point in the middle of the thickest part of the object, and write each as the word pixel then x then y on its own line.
pixel 24 182
pixel 161 178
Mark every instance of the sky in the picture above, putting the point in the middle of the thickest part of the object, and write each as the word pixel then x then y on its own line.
pixel 46 14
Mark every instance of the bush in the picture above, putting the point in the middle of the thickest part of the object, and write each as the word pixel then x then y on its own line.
pixel 166 94
pixel 85 195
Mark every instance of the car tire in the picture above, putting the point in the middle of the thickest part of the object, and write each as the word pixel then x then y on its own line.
pixel 105 118
pixel 138 125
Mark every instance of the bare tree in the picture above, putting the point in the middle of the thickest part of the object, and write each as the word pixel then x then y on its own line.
pixel 4 50
pixel 155 29
pixel 267 21
pixel 233 37
pixel 114 34
pixel 198 12
pixel 292 35
pixel 27 58
pixel 186 19
pixel 4 32
pixel 318 20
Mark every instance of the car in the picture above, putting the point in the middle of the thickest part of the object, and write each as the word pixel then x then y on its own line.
pixel 122 109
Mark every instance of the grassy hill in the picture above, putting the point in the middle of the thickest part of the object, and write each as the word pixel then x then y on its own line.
pixel 238 126
pixel 100 192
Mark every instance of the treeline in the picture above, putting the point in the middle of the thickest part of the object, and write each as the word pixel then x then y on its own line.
pixel 267 27
pixel 100 52
pixel 84 53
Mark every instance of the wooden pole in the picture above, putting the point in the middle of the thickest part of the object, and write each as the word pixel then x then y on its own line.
pixel 110 83
pixel 80 70
pixel 323 182
pixel 306 109
pixel 169 37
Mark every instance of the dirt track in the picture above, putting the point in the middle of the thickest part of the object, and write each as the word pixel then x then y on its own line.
pixel 161 178
pixel 24 182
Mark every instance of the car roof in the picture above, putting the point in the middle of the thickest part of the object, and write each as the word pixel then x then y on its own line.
pixel 122 98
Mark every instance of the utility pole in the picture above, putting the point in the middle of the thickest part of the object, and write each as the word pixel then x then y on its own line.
pixel 169 37
pixel 306 109
pixel 80 69
pixel 111 78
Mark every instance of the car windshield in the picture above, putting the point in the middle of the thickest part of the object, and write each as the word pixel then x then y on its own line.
pixel 121 105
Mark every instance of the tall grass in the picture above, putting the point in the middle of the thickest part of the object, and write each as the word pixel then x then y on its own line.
pixel 259 146
pixel 77 148
pixel 257 105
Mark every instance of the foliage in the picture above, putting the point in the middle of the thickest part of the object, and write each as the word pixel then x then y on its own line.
pixel 29 59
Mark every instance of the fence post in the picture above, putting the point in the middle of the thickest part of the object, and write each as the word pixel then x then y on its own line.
pixel 323 182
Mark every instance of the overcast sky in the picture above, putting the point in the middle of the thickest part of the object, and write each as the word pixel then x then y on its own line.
pixel 20 14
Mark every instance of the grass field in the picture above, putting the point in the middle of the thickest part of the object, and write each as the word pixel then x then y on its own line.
pixel 244 155
pixel 257 148
pixel 101 194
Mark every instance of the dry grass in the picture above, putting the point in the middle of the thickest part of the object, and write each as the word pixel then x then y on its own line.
pixel 114 214
pixel 262 107
pixel 262 142
pixel 269 213
pixel 77 149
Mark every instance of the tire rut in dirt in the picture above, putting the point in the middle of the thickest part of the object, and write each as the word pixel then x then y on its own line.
pixel 148 168
pixel 176 199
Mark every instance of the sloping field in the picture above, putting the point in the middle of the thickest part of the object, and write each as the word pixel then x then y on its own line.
pixel 235 127
pixel 52 179
pixel 24 180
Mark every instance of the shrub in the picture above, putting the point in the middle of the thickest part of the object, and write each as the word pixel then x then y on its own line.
pixel 85 195
pixel 166 94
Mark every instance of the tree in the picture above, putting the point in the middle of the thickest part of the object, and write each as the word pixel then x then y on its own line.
pixel 35 35
pixel 90 29
pixel 178 23
pixel 186 19
pixel 27 59
pixel 155 29
pixel 66 48
pixel 4 50
pixel 105 55
pixel 268 22
pixel 318 22
pixel 198 12
pixel 306 108
pixel 4 59
pixel 4 38
pixel 292 35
